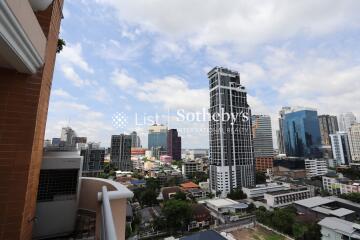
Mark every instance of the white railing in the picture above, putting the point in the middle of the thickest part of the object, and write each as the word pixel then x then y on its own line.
pixel 108 227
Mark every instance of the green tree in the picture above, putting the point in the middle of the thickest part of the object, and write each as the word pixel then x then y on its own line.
pixel 148 197
pixel 260 178
pixel 354 197
pixel 237 194
pixel 177 214
pixel 180 196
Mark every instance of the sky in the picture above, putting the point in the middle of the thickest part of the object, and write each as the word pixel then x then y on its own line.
pixel 128 64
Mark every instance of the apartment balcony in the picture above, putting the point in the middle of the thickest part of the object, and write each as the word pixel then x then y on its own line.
pixel 107 200
pixel 22 40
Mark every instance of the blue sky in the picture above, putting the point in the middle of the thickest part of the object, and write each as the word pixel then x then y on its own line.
pixel 146 57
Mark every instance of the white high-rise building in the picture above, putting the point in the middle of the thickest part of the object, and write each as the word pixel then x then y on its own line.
pixel 345 120
pixel 354 135
pixel 231 147
pixel 341 148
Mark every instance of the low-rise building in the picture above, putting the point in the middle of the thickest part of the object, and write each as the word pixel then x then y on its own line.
pixel 316 167
pixel 190 167
pixel 225 205
pixel 261 189
pixel 333 228
pixel 167 193
pixel 201 217
pixel 340 185
pixel 321 207
pixel 286 197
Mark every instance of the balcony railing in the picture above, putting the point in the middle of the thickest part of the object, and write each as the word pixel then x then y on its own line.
pixel 108 199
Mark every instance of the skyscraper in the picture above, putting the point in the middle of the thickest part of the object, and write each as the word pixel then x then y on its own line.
pixel 231 149
pixel 157 137
pixel 93 158
pixel 135 140
pixel 174 144
pixel 120 154
pixel 67 135
pixel 328 125
pixel 345 121
pixel 280 137
pixel 263 142
pixel 354 139
pixel 301 133
pixel 341 148
pixel 28 37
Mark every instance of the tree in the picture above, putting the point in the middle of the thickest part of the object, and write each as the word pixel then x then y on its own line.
pixel 152 183
pixel 237 194
pixel 260 178
pixel 148 197
pixel 60 45
pixel 354 197
pixel 177 214
pixel 180 196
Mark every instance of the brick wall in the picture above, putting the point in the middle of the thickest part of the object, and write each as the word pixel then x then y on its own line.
pixel 24 103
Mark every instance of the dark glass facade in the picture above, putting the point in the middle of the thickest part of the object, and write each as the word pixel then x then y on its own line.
pixel 301 134
pixel 174 144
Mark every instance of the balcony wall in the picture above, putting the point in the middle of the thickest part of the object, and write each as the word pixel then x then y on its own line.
pixel 88 200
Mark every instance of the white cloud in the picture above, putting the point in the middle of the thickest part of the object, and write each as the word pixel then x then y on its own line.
pixel 118 51
pixel 70 74
pixel 239 22
pixel 62 93
pixel 72 55
pixel 173 92
pixel 121 79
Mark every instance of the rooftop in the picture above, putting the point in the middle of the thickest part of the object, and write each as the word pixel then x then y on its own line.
pixel 340 226
pixel 189 185
pixel 222 202
pixel 314 201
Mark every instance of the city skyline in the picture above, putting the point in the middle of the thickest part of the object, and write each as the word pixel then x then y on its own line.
pixel 142 65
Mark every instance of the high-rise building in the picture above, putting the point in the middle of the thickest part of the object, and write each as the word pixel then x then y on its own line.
pixel 67 135
pixel 174 144
pixel 28 38
pixel 231 148
pixel 328 125
pixel 354 135
pixel 263 142
pixel 341 148
pixel 135 140
pixel 280 137
pixel 301 133
pixel 157 136
pixel 93 158
pixel 345 120
pixel 120 154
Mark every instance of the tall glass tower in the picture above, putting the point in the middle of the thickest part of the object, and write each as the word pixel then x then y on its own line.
pixel 301 133
pixel 231 147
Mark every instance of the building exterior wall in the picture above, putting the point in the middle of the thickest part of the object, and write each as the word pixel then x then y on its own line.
pixel 157 137
pixel 328 125
pixel 341 148
pixel 315 167
pixel 345 121
pixel 284 199
pixel 121 152
pixel 301 133
pixel 23 112
pixel 174 144
pixel 354 134
pixel 335 187
pixel 262 136
pixel 264 163
pixel 231 144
